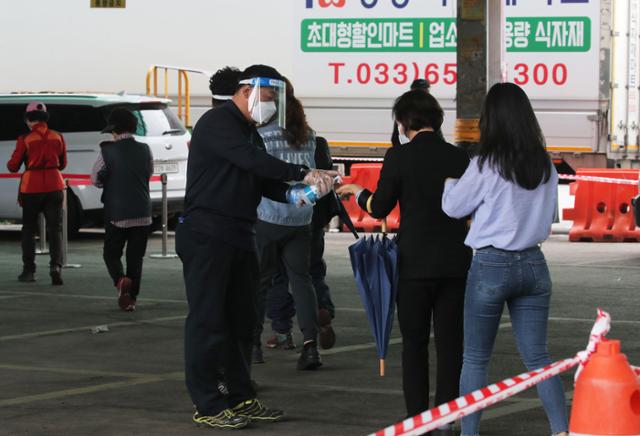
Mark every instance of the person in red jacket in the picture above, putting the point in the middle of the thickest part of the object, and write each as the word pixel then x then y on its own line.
pixel 44 154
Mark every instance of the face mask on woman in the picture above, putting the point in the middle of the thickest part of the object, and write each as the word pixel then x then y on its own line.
pixel 263 111
pixel 402 138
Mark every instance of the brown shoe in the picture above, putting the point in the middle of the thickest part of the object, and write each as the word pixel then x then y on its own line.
pixel 327 336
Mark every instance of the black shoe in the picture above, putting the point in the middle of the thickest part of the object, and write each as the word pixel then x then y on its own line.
pixel 256 354
pixel 56 276
pixel 255 411
pixel 27 276
pixel 309 357
pixel 225 420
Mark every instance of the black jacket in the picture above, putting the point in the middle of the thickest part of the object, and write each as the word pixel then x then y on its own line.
pixel 128 167
pixel 227 174
pixel 431 245
pixel 395 135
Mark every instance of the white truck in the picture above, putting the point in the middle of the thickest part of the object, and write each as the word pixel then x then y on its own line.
pixel 349 59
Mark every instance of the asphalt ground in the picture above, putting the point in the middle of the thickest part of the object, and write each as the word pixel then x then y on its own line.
pixel 58 378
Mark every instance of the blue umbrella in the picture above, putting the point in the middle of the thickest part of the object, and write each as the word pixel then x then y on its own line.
pixel 375 266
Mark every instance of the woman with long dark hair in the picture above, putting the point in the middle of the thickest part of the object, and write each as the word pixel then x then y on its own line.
pixel 284 236
pixel 433 260
pixel 510 189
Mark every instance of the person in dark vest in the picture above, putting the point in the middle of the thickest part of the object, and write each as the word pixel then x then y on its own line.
pixel 44 154
pixel 123 169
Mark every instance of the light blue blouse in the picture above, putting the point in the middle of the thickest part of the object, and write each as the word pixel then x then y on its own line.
pixel 504 215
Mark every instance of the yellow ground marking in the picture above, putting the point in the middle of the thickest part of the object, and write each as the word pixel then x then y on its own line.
pixel 134 380
pixel 78 391
pixel 74 371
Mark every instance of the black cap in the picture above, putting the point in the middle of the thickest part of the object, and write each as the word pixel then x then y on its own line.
pixel 260 71
pixel 121 121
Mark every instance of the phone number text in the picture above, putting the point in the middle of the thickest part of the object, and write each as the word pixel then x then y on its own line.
pixel 402 73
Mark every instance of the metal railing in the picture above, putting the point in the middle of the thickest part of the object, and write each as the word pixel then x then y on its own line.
pixel 165 223
pixel 184 91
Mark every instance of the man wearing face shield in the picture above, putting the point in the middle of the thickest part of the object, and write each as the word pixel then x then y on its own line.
pixel 228 172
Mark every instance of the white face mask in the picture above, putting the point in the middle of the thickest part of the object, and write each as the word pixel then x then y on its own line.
pixel 263 111
pixel 402 138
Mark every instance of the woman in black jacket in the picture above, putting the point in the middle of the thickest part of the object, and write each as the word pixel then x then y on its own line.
pixel 433 260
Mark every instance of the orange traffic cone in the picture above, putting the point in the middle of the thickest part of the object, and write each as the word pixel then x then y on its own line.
pixel 607 395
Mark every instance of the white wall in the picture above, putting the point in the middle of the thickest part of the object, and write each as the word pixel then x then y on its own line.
pixel 65 45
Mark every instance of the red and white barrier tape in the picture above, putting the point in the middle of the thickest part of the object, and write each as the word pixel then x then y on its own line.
pixel 490 395
pixel 74 179
pixel 599 179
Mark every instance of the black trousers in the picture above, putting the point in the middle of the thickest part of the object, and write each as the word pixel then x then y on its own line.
pixel 50 204
pixel 221 282
pixel 135 239
pixel 419 301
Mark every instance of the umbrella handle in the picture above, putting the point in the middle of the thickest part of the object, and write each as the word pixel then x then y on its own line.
pixel 383 226
pixel 381 367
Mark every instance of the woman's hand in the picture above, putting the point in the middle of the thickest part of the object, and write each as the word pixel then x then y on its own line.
pixel 450 179
pixel 345 191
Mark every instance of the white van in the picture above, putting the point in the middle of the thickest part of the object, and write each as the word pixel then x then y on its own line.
pixel 80 118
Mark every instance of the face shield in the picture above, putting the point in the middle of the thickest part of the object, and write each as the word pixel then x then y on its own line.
pixel 268 98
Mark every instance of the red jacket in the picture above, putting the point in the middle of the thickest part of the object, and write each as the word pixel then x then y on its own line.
pixel 44 154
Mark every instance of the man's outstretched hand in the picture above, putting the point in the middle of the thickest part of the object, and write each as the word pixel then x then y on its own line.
pixel 322 179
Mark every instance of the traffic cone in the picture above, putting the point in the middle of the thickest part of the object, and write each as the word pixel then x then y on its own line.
pixel 607 396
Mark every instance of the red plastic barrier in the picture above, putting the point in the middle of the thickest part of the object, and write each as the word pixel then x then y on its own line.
pixel 603 211
pixel 367 176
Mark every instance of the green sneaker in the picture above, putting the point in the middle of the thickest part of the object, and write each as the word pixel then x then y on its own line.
pixel 257 412
pixel 225 420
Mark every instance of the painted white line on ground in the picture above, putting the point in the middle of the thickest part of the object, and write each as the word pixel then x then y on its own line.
pixel 88 328
pixel 591 265
pixel 89 297
pixel 75 371
pixel 392 341
pixel 11 297
pixel 590 320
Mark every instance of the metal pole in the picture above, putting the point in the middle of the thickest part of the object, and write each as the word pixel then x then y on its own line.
pixel 42 227
pixel 65 229
pixel 165 223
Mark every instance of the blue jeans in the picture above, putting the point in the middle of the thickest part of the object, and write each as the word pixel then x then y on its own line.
pixel 521 280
